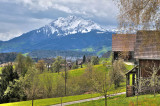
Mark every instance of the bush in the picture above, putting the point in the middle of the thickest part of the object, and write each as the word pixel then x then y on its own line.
pixel 75 66
pixel 95 60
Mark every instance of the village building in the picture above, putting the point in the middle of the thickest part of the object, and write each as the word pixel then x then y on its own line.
pixel 147 56
pixel 123 46
pixel 6 64
pixel 79 61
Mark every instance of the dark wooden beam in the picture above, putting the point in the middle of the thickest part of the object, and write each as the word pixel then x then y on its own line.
pixel 133 83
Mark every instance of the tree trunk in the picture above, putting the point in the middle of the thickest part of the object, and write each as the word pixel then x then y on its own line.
pixel 154 92
pixel 154 88
pixel 65 78
pixel 115 85
pixel 61 101
pixel 32 101
pixel 137 99
pixel 105 99
pixel 48 67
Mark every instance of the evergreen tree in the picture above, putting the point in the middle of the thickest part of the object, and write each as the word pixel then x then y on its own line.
pixel 8 75
pixel 77 62
pixel 84 59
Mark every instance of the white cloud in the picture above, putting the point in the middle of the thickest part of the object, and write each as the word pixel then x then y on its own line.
pixel 91 7
pixel 62 8
pixel 11 30
pixel 9 35
pixel 31 14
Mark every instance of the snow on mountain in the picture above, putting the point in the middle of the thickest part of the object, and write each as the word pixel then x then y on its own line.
pixel 73 33
pixel 70 25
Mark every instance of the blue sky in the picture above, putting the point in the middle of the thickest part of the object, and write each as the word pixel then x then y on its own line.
pixel 21 16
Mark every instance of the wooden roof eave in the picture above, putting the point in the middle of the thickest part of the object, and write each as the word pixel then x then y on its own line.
pixel 132 70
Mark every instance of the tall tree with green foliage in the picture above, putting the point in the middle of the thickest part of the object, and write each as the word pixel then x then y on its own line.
pixel 28 62
pixel 46 84
pixel 40 65
pixel 20 65
pixel 117 73
pixel 14 92
pixel 8 75
pixel 31 83
pixel 57 64
pixel 101 83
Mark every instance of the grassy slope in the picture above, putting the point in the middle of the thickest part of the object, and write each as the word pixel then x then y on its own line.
pixel 122 100
pixel 103 50
pixel 88 49
pixel 52 101
pixel 1 70
pixel 76 72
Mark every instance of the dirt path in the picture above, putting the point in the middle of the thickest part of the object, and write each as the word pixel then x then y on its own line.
pixel 86 100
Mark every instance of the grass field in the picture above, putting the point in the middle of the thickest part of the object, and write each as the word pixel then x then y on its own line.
pixel 72 73
pixel 122 100
pixel 52 101
pixel 1 69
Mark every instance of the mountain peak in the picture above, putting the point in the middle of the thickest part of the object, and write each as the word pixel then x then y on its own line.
pixel 70 25
pixel 70 33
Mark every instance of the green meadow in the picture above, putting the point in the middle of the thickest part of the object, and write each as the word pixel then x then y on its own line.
pixel 122 100
pixel 73 73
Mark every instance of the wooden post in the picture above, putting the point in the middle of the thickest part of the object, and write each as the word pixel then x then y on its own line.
pixel 113 57
pixel 128 79
pixel 133 83
pixel 127 83
pixel 133 79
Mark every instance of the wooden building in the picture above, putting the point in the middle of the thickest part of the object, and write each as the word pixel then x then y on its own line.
pixel 147 55
pixel 123 46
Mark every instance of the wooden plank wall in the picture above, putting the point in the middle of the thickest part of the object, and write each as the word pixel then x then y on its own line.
pixel 146 67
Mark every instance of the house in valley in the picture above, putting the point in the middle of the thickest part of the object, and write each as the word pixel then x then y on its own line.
pixel 147 56
pixel 123 46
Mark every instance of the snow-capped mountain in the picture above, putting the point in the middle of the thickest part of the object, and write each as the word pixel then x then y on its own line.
pixel 70 25
pixel 70 33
